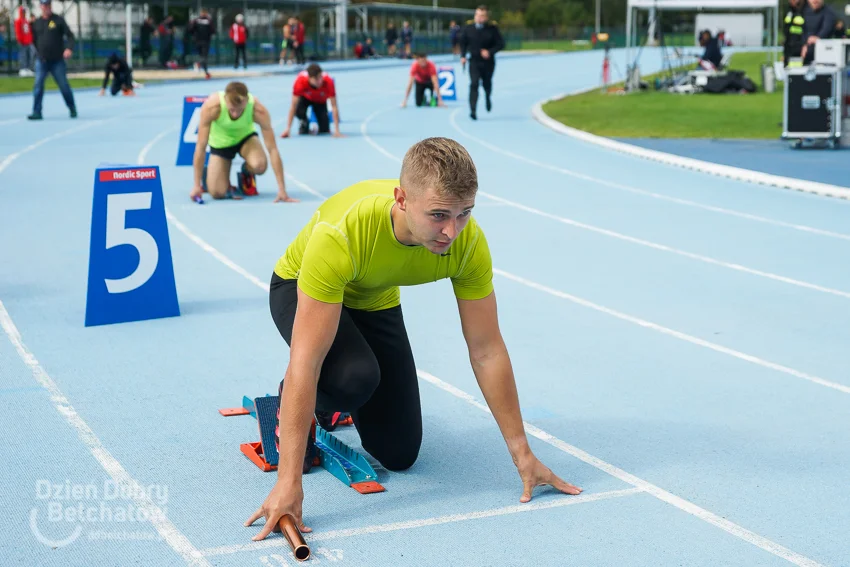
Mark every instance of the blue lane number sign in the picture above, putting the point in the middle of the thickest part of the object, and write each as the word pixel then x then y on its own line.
pixel 131 275
pixel 446 77
pixel 189 129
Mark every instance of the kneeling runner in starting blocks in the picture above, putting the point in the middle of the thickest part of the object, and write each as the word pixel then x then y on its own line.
pixel 336 457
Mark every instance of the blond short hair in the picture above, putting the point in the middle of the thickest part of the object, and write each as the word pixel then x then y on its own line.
pixel 236 92
pixel 443 164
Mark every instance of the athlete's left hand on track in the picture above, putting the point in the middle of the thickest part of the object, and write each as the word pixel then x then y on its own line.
pixel 534 473
pixel 284 198
pixel 338 135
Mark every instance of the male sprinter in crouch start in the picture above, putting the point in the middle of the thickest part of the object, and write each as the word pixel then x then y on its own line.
pixel 335 299
pixel 227 125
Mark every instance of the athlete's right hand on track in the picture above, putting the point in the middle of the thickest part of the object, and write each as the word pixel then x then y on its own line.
pixel 534 473
pixel 285 498
pixel 285 133
pixel 197 192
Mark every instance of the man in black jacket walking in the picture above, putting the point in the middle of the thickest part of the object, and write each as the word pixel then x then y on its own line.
pixel 202 29
pixel 49 33
pixel 482 40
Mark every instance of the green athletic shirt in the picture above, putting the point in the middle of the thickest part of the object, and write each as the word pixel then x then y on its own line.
pixel 226 132
pixel 348 253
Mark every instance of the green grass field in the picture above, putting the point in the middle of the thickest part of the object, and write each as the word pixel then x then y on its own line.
pixel 24 84
pixel 556 44
pixel 658 114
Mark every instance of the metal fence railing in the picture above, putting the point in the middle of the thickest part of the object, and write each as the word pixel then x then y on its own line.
pixel 91 52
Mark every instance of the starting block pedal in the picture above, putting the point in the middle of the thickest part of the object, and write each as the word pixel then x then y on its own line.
pixel 246 409
pixel 346 464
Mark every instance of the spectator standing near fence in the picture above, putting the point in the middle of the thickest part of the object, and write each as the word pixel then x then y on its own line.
pixel 239 35
pixel 406 39
pixel 147 30
pixel 298 38
pixel 794 21
pixel 454 37
pixel 50 34
pixel 390 38
pixel 166 40
pixel 23 35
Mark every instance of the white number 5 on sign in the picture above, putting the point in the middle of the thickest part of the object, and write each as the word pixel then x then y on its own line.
pixel 117 234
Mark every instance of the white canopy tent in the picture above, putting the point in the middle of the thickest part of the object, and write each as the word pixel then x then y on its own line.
pixel 770 7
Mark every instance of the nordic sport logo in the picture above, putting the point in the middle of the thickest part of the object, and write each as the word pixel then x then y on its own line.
pixel 66 510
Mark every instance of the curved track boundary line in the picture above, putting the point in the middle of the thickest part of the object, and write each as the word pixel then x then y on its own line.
pixel 736 173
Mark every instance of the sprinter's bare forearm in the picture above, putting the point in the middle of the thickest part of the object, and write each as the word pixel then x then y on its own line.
pixel 495 377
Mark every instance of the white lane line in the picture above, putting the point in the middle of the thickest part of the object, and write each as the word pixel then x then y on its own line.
pixel 670 249
pixel 169 532
pixel 663 495
pixel 143 155
pixel 651 194
pixel 677 334
pixel 12 157
pixel 676 501
pixel 625 237
pixel 559 502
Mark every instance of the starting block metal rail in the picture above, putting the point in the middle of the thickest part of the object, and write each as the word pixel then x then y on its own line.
pixel 346 464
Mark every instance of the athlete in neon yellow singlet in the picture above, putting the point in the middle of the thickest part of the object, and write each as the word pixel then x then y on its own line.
pixel 334 297
pixel 227 126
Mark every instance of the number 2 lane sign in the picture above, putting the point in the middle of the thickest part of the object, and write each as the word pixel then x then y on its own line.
pixel 131 276
pixel 446 78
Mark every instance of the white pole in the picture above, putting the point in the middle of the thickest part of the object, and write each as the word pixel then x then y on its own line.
pixel 650 33
pixel 598 14
pixel 128 33
pixel 628 38
pixel 342 28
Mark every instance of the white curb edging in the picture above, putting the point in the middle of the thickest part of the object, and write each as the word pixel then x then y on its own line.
pixel 731 172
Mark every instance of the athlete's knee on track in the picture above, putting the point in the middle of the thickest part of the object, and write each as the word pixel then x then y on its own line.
pixel 397 452
pixel 217 191
pixel 257 164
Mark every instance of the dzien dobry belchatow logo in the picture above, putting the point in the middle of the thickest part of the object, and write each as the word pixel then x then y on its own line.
pixel 65 511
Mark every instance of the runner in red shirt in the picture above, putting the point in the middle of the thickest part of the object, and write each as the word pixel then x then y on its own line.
pixel 424 74
pixel 313 88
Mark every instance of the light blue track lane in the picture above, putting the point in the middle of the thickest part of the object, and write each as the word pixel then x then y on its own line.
pixel 676 338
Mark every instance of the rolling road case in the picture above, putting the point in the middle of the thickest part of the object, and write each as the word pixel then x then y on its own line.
pixel 815 104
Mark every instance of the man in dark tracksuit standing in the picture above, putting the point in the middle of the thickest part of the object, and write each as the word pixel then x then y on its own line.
pixel 202 31
pixel 49 33
pixel 819 24
pixel 482 40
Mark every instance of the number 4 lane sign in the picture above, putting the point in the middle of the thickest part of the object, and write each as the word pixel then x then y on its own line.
pixel 131 276
pixel 189 129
